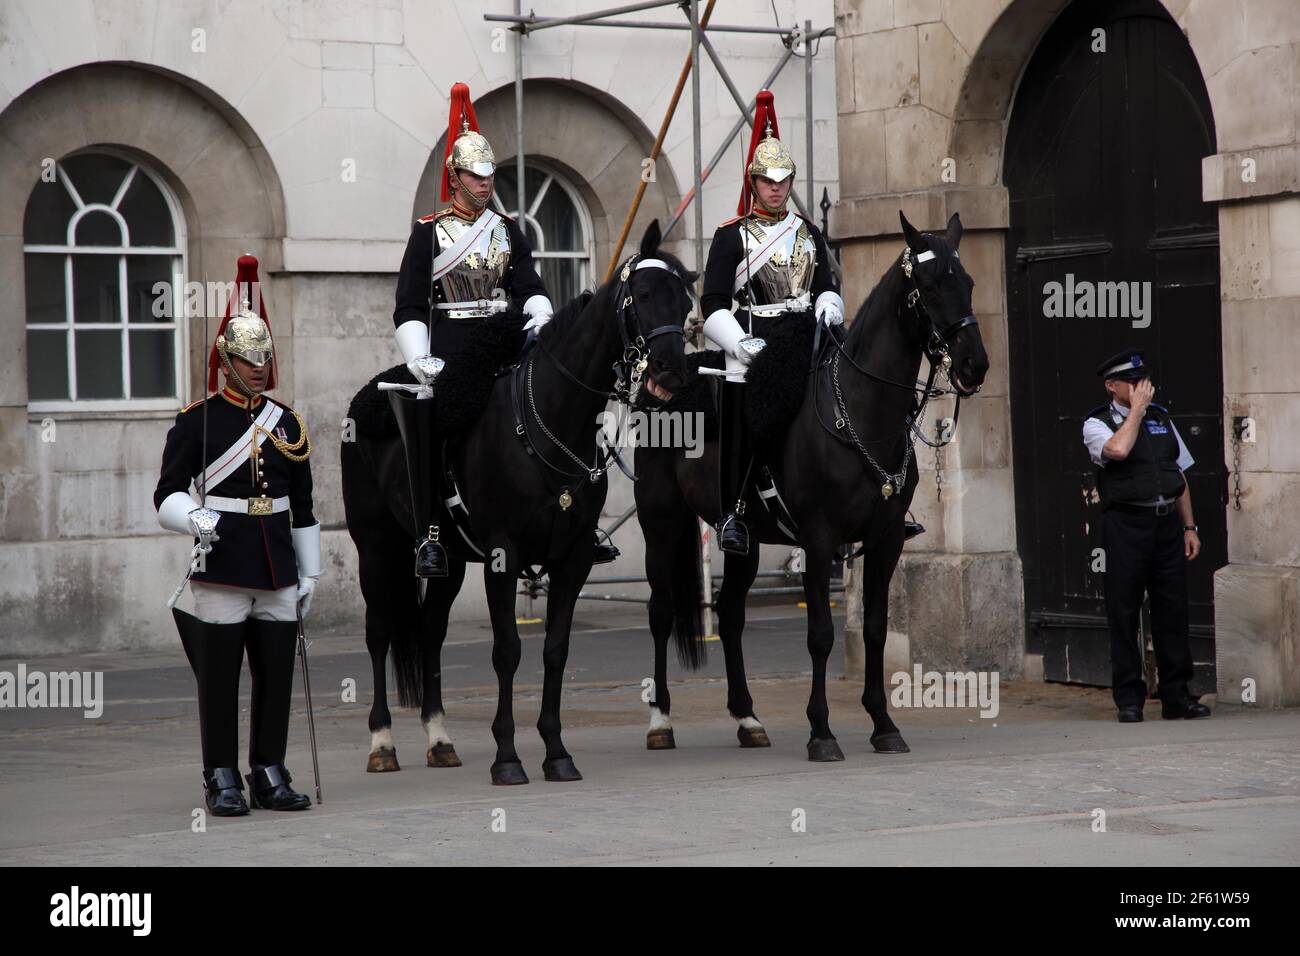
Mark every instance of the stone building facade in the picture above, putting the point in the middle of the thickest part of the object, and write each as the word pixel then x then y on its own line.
pixel 310 134
pixel 928 92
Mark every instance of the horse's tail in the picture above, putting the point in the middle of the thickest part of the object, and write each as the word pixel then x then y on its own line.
pixel 688 594
pixel 408 659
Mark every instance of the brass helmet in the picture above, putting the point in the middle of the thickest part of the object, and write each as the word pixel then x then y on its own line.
pixel 473 152
pixel 247 336
pixel 467 148
pixel 768 156
pixel 771 158
pixel 244 332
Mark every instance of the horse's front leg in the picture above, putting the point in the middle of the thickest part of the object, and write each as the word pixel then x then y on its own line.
pixel 877 570
pixel 499 586
pixel 822 746
pixel 566 578
pixel 738 573
pixel 383 754
pixel 438 599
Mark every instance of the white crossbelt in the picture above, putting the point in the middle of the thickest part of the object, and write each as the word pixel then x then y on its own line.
pixel 240 505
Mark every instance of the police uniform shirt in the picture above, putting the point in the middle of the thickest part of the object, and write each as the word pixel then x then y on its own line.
pixel 727 251
pixel 1096 433
pixel 414 281
pixel 255 551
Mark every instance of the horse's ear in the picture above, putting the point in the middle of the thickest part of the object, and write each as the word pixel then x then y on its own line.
pixel 954 230
pixel 914 240
pixel 650 241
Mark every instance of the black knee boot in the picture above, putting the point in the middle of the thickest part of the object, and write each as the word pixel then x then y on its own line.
pixel 216 654
pixel 735 460
pixel 271 646
pixel 423 458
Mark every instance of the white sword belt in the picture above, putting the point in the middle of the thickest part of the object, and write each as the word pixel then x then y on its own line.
pixel 478 309
pixel 800 303
pixel 249 506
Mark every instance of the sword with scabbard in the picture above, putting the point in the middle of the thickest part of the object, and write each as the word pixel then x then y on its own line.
pixel 203 518
pixel 311 719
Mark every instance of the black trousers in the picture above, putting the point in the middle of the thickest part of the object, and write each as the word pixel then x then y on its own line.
pixel 1144 553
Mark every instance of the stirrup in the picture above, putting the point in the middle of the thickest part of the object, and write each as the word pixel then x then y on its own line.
pixel 431 557
pixel 733 535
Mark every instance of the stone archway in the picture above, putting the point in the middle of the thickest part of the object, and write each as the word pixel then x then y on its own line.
pixel 209 156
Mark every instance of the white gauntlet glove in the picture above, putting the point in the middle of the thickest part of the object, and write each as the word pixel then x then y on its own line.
pixel 306 548
pixel 413 343
pixel 829 309
pixel 177 512
pixel 539 311
pixel 722 329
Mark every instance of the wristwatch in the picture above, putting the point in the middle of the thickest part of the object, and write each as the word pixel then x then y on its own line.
pixel 1191 527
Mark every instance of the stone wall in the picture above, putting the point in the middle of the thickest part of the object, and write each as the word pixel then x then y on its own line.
pixel 923 80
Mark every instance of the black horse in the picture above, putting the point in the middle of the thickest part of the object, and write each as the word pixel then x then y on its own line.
pixel 844 471
pixel 532 480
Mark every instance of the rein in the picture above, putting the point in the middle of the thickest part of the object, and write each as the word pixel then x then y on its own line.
pixel 629 371
pixel 936 351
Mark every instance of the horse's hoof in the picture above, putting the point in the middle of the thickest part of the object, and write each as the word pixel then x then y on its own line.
pixel 890 744
pixel 824 751
pixel 443 755
pixel 560 770
pixel 752 737
pixel 383 760
pixel 660 740
pixel 508 774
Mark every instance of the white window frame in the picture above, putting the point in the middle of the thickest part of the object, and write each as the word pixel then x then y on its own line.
pixel 585 259
pixel 178 252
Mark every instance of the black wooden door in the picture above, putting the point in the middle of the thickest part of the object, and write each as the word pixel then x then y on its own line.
pixel 1103 168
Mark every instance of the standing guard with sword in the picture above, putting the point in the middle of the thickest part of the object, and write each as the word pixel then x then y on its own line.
pixel 247 457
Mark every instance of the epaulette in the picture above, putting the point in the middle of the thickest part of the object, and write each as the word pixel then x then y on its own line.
pixel 191 405
pixel 730 222
pixel 424 220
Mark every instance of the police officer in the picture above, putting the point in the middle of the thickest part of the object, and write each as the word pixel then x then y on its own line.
pixel 774 263
pixel 264 558
pixel 1148 534
pixel 458 260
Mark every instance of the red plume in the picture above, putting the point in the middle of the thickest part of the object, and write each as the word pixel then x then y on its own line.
pixel 764 113
pixel 247 285
pixel 461 109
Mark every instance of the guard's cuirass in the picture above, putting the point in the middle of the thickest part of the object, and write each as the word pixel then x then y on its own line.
pixel 481 271
pixel 789 272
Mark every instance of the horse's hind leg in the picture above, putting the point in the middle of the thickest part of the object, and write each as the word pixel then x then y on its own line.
pixel 499 587
pixel 562 594
pixel 383 754
pixel 821 638
pixel 438 599
pixel 877 569
pixel 738 573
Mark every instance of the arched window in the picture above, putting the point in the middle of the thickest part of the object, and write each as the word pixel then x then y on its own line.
pixel 556 223
pixel 99 234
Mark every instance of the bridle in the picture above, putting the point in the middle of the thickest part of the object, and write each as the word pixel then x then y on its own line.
pixel 936 350
pixel 629 372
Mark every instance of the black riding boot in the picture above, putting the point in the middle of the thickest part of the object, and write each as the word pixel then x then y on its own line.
pixel 423 458
pixel 216 654
pixel 271 646
pixel 605 550
pixel 735 460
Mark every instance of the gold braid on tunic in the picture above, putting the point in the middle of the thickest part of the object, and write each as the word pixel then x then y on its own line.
pixel 282 446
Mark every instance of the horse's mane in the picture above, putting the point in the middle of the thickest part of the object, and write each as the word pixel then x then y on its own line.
pixel 568 315
pixel 889 291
